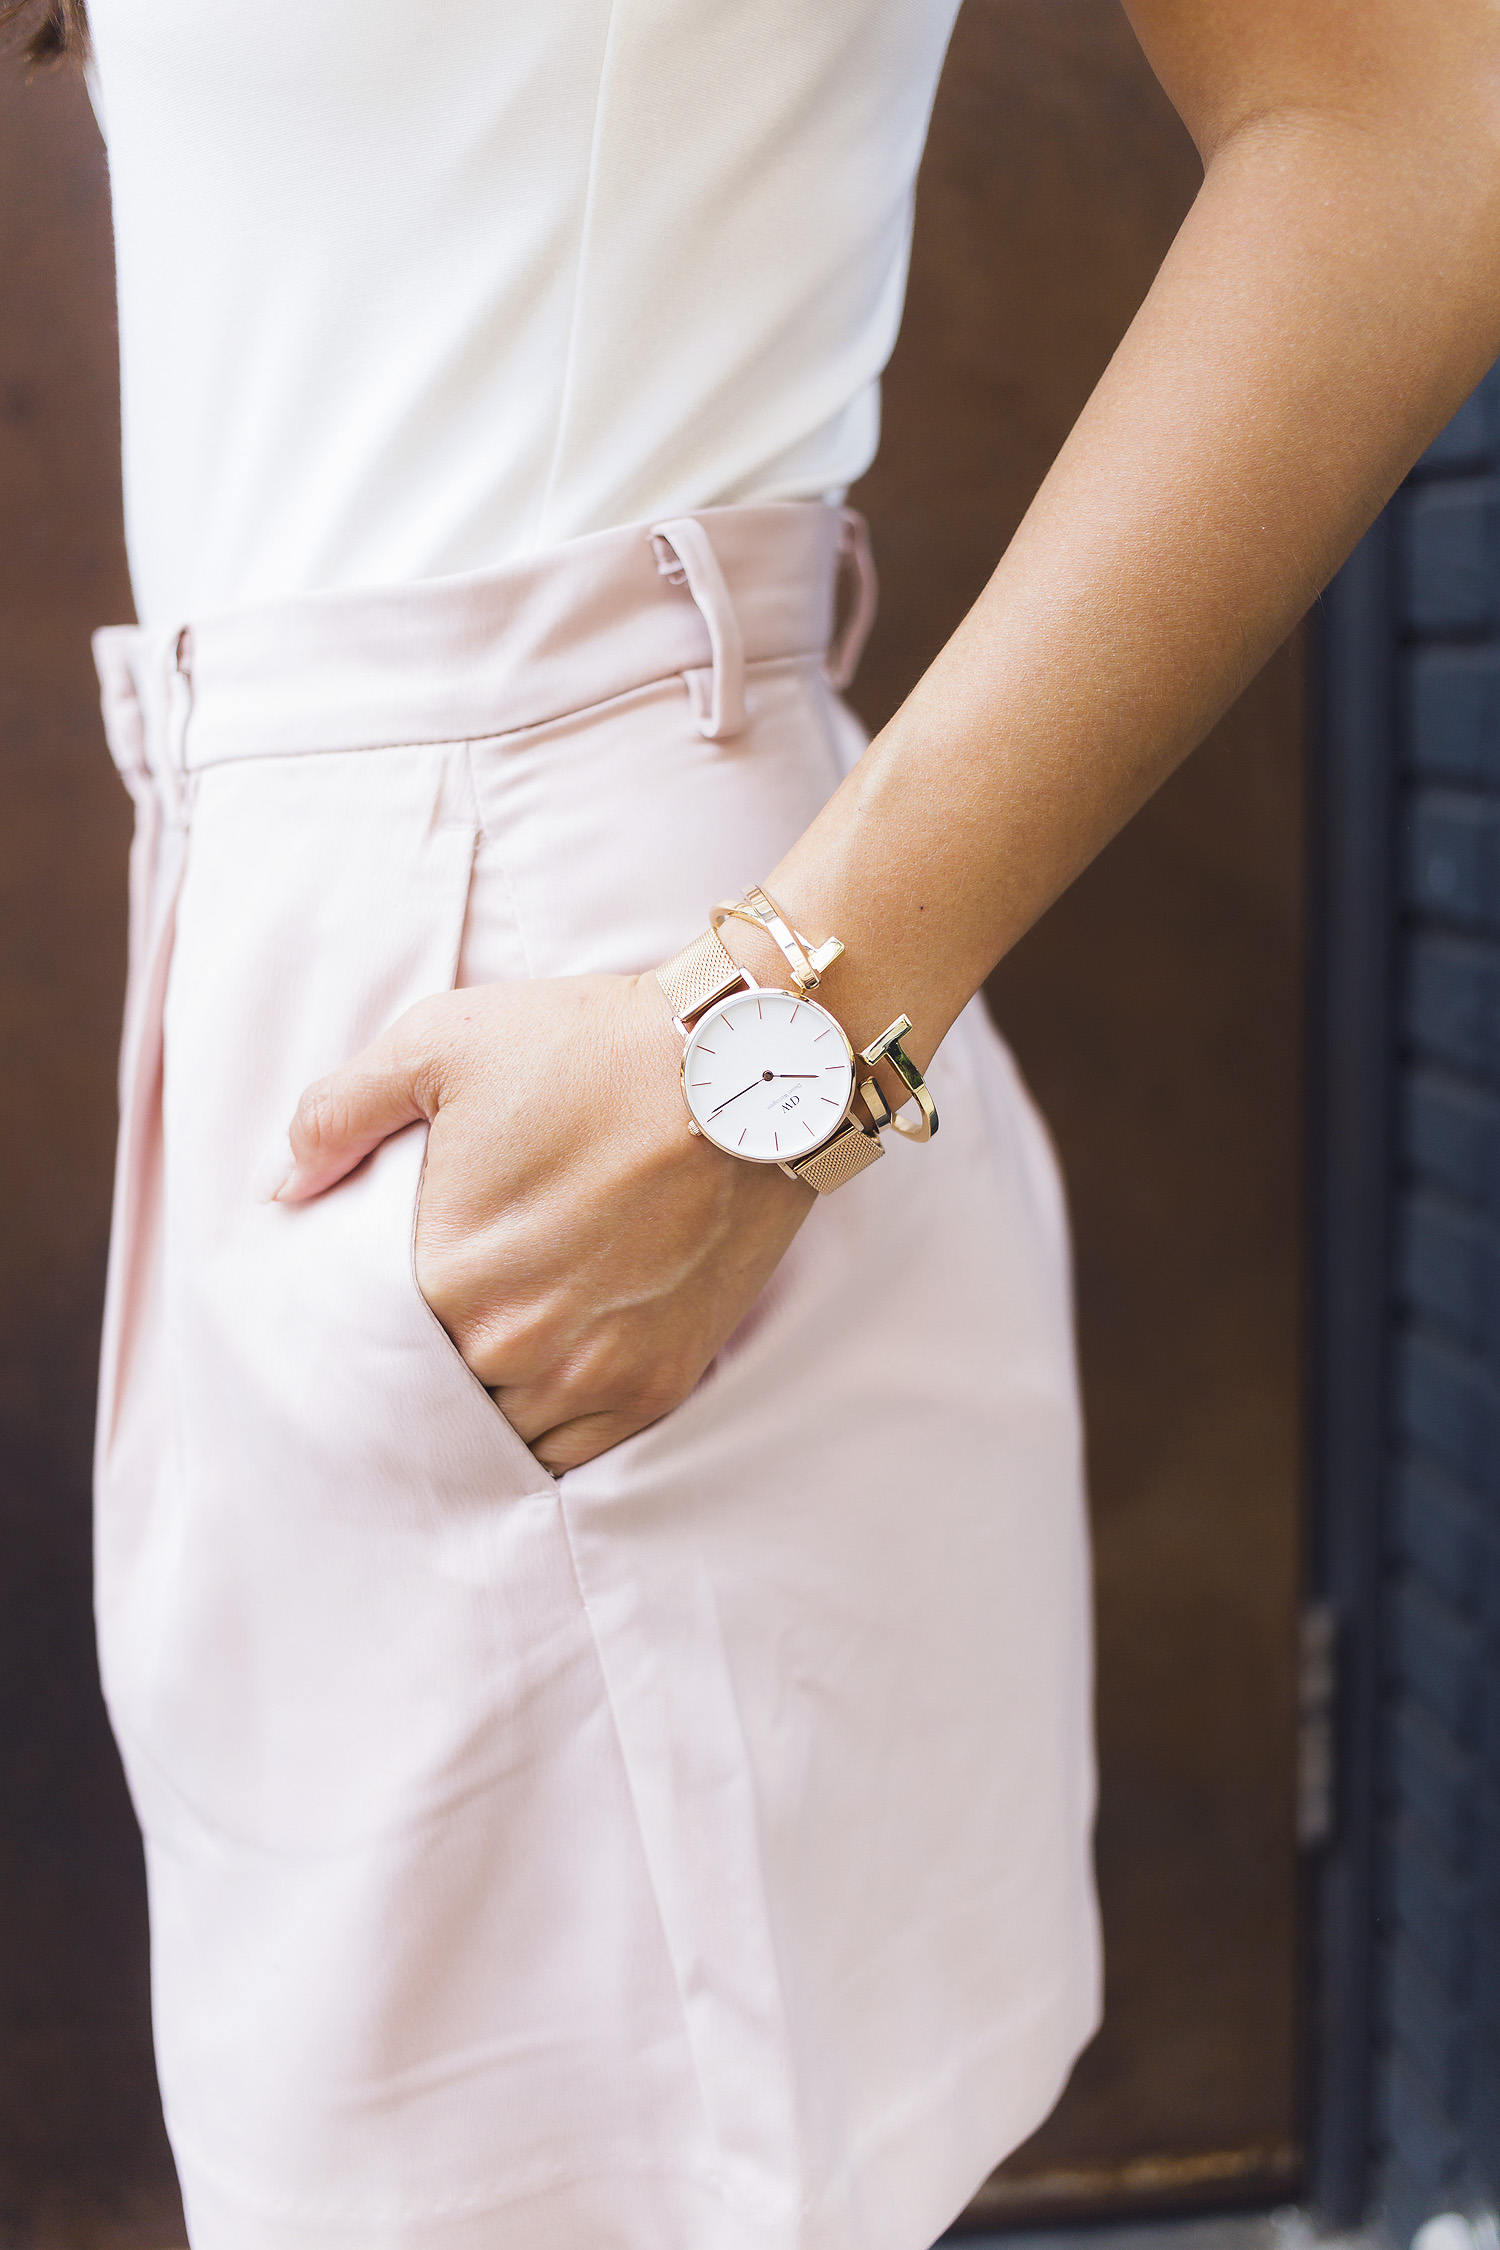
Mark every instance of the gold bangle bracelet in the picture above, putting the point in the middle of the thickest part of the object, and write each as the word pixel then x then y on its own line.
pixel 888 1048
pixel 760 910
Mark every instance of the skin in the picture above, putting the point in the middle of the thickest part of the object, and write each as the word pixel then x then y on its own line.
pixel 1332 297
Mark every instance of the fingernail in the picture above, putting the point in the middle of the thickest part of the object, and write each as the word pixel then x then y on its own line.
pixel 273 1171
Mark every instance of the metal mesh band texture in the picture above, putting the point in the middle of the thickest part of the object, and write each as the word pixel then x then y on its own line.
pixel 700 974
pixel 847 1153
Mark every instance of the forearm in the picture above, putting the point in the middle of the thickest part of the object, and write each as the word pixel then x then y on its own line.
pixel 1330 300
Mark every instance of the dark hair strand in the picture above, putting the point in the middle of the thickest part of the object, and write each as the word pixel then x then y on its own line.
pixel 56 31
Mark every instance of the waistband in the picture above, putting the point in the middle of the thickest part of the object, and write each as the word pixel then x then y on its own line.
pixel 453 659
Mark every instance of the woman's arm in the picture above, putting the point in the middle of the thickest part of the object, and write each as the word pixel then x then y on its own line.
pixel 1331 298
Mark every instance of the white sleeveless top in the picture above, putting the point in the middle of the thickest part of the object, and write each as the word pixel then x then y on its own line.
pixel 407 291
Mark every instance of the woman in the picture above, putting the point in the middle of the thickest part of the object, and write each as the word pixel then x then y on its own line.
pixel 646 1805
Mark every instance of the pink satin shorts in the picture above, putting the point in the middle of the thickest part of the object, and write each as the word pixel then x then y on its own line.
pixel 689 1854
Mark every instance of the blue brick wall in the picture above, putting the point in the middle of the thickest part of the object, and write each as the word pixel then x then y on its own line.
pixel 1437 2120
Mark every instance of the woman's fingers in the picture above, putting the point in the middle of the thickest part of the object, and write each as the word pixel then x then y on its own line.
pixel 570 1444
pixel 564 1430
pixel 340 1118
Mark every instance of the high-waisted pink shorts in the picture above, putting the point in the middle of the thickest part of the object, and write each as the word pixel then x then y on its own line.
pixel 688 1854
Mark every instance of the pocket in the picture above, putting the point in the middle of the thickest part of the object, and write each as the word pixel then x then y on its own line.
pixel 312 1607
pixel 324 896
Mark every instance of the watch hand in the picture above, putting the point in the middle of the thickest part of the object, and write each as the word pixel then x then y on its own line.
pixel 734 1097
pixel 796 1074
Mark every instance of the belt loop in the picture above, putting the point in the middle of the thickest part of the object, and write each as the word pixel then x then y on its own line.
pixel 845 650
pixel 684 551
pixel 120 703
pixel 175 780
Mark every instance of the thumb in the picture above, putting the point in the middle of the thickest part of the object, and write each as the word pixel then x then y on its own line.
pixel 340 1118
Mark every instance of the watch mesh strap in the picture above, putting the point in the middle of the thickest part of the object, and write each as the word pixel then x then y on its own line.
pixel 839 1159
pixel 700 974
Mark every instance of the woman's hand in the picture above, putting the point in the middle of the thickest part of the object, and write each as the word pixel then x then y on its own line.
pixel 585 1253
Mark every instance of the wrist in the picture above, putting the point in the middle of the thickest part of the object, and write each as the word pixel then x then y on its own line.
pixel 850 990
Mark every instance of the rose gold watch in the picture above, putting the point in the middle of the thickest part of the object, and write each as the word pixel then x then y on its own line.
pixel 768 1075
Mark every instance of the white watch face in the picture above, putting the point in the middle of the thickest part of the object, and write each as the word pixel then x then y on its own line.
pixel 768 1076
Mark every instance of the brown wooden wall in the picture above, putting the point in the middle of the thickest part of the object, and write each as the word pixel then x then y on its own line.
pixel 81 2143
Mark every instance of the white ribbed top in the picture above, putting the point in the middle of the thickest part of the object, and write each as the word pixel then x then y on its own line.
pixel 408 291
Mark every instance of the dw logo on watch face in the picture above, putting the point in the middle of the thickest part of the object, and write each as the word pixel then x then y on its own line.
pixel 768 1076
